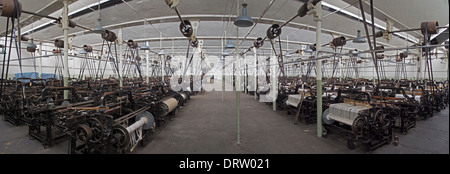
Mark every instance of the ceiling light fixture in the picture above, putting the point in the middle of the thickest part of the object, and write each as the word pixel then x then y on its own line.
pixel 230 45
pixel 225 53
pixel 358 38
pixel 144 47
pixel 31 47
pixel 355 52
pixel 83 51
pixel 287 55
pixel 308 49
pixel 99 29
pixel 161 52
pixel 243 20
pixel 407 52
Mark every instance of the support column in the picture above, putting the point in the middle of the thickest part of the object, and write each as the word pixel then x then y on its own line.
pixel 245 73
pixel 162 67
pixel 374 70
pixel 274 81
pixel 40 59
pixel 148 57
pixel 255 78
pixel 340 70
pixel 318 19
pixel 238 86
pixel 223 74
pixel 419 64
pixel 237 72
pixel 65 22
pixel 119 35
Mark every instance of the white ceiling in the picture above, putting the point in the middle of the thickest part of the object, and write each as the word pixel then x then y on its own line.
pixel 213 16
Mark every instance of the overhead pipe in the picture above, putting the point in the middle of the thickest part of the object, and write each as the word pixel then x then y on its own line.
pixel 72 24
pixel 436 27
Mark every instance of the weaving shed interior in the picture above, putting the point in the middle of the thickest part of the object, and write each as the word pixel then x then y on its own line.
pixel 237 76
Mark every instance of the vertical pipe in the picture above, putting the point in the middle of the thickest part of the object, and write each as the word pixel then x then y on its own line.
pixel 40 59
pixel 73 63
pixel 223 76
pixel 65 22
pixel 163 61
pixel 245 73
pixel 238 80
pixel 161 68
pixel 120 57
pixel 147 69
pixel 318 19
pixel 274 81
pixel 238 94
pixel 373 74
pixel 223 70
pixel 255 78
pixel 340 70
pixel 419 64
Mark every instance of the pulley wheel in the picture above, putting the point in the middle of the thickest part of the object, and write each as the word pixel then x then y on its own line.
pixel 83 133
pixel 97 129
pixel 358 125
pixel 121 137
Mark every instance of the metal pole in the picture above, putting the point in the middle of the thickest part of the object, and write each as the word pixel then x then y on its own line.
pixel 340 70
pixel 40 64
pixel 120 57
pixel 245 73
pixel 163 62
pixel 238 94
pixel 318 19
pixel 238 80
pixel 223 71
pixel 148 57
pixel 65 22
pixel 274 81
pixel 73 67
pixel 419 64
pixel 255 78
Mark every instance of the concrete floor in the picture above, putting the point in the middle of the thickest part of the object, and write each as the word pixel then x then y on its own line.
pixel 206 125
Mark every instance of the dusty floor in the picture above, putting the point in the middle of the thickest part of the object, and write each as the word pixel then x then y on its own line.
pixel 206 125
